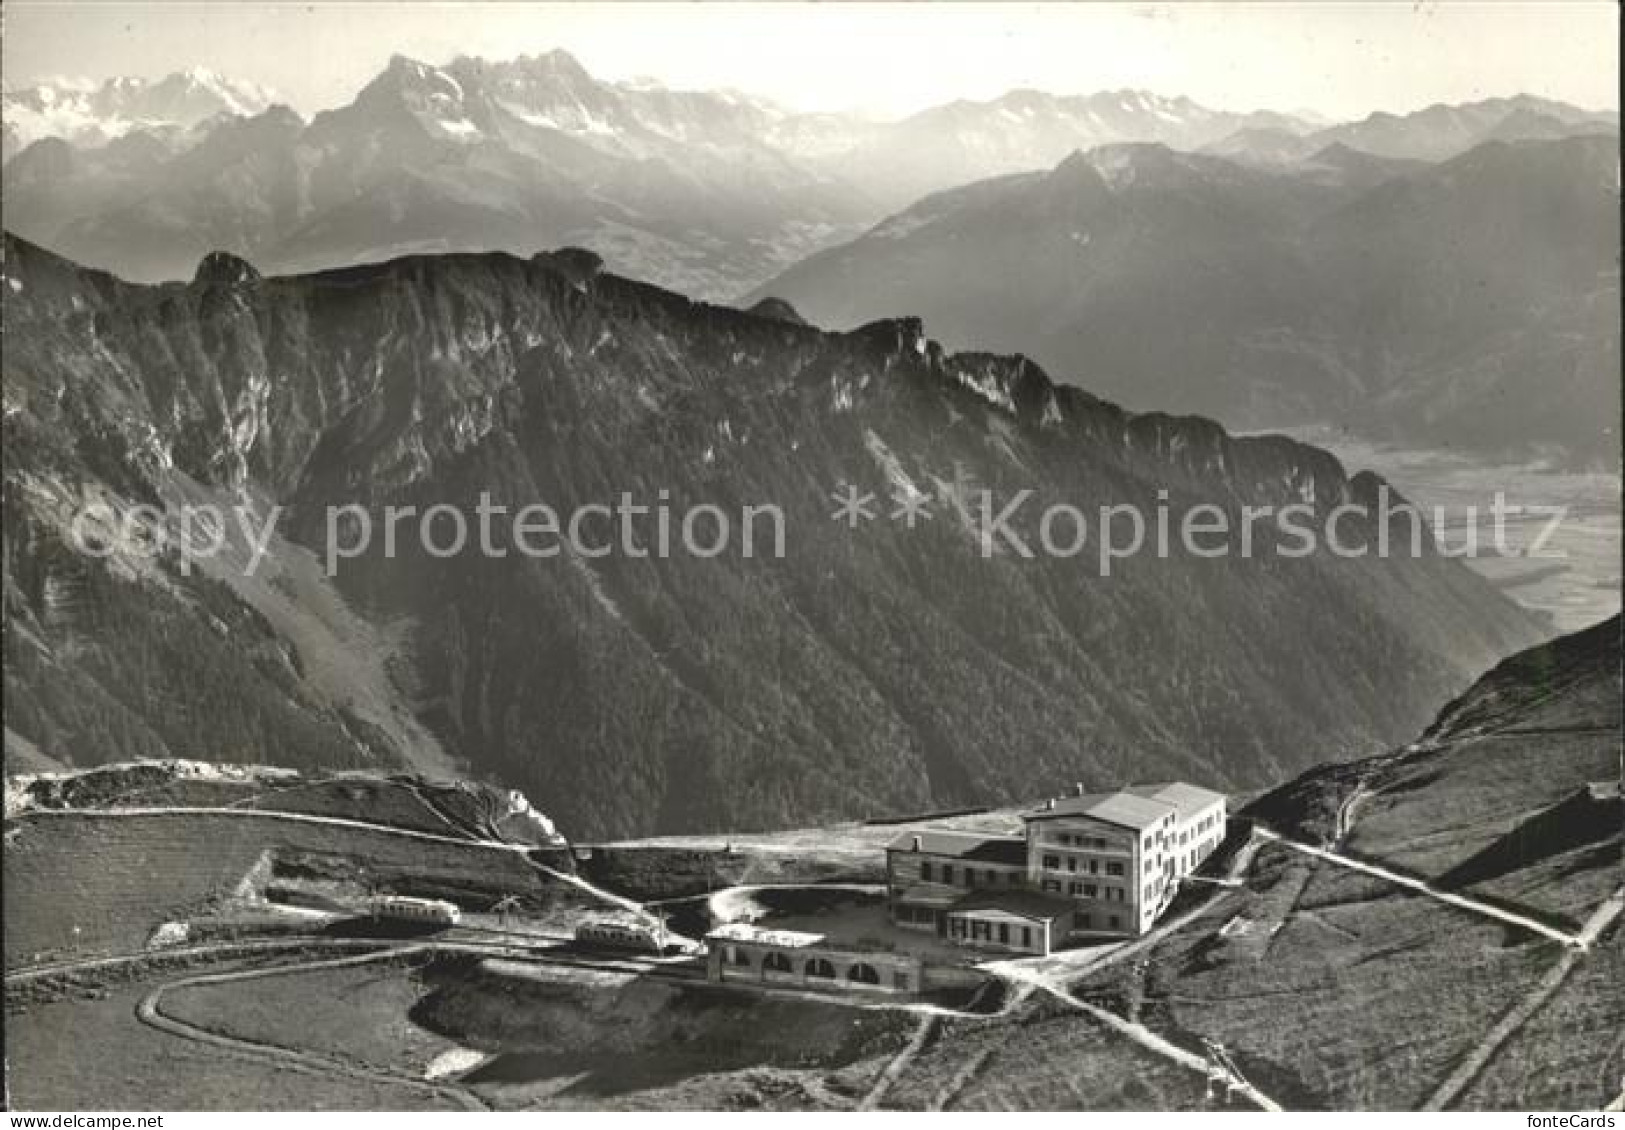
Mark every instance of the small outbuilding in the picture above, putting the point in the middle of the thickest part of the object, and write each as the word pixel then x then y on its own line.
pixel 1018 921
pixel 738 952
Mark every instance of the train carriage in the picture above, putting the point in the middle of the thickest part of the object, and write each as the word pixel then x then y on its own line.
pixel 420 911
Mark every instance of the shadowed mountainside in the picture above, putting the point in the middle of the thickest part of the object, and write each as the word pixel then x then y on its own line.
pixel 868 670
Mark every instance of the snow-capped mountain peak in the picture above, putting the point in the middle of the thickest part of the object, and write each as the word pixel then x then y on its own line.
pixel 446 107
pixel 90 115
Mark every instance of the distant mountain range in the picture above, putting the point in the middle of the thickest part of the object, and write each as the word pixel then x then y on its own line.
pixel 895 163
pixel 90 115
pixel 1440 132
pixel 709 193
pixel 1472 302
pixel 516 156
pixel 876 669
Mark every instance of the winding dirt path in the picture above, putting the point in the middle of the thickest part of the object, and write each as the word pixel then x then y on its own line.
pixel 150 1012
pixel 961 1079
pixel 274 814
pixel 25 974
pixel 1422 887
pixel 1152 1042
pixel 1521 1013
pixel 899 1063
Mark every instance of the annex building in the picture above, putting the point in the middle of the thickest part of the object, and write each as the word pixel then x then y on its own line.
pixel 740 952
pixel 1104 864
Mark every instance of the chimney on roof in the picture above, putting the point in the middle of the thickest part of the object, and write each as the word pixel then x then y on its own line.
pixel 918 843
pixel 1077 789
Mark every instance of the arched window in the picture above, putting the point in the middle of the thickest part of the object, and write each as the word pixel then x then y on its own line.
pixel 821 967
pixel 864 974
pixel 776 963
pixel 740 957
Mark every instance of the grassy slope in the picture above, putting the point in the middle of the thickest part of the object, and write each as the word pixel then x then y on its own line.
pixel 1493 800
pixel 86 884
pixel 90 1052
pixel 1329 988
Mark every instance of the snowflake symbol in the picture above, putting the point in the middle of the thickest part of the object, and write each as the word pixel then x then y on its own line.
pixel 852 506
pixel 912 507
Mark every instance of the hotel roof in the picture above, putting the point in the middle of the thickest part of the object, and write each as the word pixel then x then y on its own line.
pixel 1023 904
pixel 1125 809
pixel 1186 798
pixel 975 847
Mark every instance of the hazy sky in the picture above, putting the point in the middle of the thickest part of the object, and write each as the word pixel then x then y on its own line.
pixel 1342 60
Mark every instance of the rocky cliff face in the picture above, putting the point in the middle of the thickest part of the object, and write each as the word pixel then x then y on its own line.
pixel 866 670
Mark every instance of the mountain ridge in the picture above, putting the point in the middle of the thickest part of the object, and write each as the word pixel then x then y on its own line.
pixel 1375 294
pixel 706 192
pixel 905 669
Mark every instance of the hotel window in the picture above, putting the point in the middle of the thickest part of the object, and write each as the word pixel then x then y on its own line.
pixel 948 873
pixel 1116 922
pixel 1075 889
pixel 1094 867
pixel 1004 933
pixel 1071 863
pixel 1052 861
pixel 1090 890
pixel 925 872
pixel 1114 868
pixel 1026 936
pixel 1052 885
